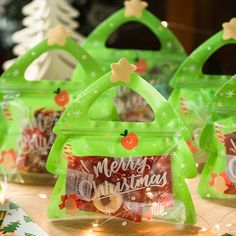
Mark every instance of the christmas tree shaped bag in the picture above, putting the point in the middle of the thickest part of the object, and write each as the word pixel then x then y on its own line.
pixel 156 66
pixel 193 89
pixel 30 109
pixel 128 171
pixel 218 178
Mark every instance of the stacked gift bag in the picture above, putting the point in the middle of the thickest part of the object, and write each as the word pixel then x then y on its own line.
pixel 156 66
pixel 30 109
pixel 218 178
pixel 193 89
pixel 127 171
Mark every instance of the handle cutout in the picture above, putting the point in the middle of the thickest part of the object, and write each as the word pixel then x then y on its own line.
pixel 222 62
pixel 130 106
pixel 134 35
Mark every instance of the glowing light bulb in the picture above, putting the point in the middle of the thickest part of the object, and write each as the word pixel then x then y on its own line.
pixel 164 24
pixel 43 196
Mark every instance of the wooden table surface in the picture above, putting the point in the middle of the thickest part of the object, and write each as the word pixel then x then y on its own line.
pixel 34 200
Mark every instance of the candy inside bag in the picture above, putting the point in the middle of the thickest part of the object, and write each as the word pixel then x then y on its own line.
pixel 30 109
pixel 218 179
pixel 193 89
pixel 125 171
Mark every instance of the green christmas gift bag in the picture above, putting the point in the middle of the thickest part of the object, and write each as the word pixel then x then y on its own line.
pixel 193 89
pixel 132 171
pixel 156 67
pixel 218 178
pixel 30 109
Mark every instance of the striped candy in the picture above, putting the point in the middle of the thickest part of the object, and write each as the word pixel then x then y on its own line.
pixel 183 105
pixel 220 135
pixel 7 113
pixel 68 154
pixel 157 209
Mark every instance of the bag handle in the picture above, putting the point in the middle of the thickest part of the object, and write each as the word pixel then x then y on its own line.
pixel 98 37
pixel 78 111
pixel 16 72
pixel 191 69
pixel 224 101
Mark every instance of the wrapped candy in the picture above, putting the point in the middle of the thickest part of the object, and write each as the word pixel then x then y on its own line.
pixel 30 109
pixel 193 89
pixel 128 171
pixel 218 178
pixel 155 66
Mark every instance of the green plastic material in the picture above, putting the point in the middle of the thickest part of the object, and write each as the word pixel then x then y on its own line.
pixel 88 138
pixel 193 89
pixel 218 139
pixel 21 101
pixel 156 67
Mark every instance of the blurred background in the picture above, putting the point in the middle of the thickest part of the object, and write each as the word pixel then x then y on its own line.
pixel 192 21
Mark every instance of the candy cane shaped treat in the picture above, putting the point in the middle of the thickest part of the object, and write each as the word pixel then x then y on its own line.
pixel 220 135
pixel 68 154
pixel 183 105
pixel 6 111
pixel 234 146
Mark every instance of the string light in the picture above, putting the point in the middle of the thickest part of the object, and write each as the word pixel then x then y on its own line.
pixel 42 195
pixel 186 28
pixel 90 232
pixel 164 24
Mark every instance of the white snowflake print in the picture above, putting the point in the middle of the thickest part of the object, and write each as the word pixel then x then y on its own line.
pixel 230 93
pixel 160 167
pixel 163 114
pixel 108 210
pixel 74 113
pixel 174 154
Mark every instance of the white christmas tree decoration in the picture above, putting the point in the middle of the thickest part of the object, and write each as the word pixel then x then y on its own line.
pixel 42 15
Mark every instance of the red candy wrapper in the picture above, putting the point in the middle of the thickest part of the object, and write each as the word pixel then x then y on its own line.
pixel 120 187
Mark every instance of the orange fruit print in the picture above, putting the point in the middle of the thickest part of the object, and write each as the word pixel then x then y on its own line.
pixel 129 141
pixel 142 67
pixel 62 97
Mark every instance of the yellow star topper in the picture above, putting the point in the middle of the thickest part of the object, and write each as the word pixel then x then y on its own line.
pixel 58 35
pixel 229 29
pixel 135 8
pixel 122 70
